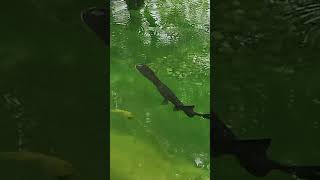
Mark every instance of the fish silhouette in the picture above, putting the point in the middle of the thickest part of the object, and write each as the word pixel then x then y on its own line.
pixel 251 153
pixel 166 93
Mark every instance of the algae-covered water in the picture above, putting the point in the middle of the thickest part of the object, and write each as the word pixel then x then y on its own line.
pixel 172 38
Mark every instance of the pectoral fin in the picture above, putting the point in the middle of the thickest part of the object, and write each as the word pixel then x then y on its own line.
pixel 165 102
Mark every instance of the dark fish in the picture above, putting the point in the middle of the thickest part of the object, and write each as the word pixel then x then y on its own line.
pixel 97 19
pixel 252 153
pixel 167 94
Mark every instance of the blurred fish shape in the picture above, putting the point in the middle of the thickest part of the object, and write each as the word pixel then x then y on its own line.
pixel 97 19
pixel 123 113
pixel 54 166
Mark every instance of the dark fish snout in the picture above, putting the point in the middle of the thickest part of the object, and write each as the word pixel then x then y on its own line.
pixel 142 68
pixel 97 19
pixel 139 66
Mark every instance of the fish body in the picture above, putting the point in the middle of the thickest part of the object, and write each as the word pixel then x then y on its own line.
pixel 165 91
pixel 251 153
pixel 54 166
pixel 124 113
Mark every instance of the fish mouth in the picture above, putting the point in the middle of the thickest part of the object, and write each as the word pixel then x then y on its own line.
pixel 142 68
pixel 139 66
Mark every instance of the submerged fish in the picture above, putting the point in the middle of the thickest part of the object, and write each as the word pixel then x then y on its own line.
pixel 97 19
pixel 54 166
pixel 166 93
pixel 252 153
pixel 124 113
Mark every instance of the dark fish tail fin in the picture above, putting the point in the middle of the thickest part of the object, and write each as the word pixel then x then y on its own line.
pixel 252 155
pixel 206 116
pixel 303 172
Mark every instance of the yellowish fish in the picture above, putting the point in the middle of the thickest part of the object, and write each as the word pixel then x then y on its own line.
pixel 124 113
pixel 54 166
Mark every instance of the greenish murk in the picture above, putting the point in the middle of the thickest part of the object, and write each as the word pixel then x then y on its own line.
pixel 172 38
pixel 265 85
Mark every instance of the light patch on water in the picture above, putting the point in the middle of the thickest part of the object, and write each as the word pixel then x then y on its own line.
pixel 119 12
pixel 201 160
pixel 165 33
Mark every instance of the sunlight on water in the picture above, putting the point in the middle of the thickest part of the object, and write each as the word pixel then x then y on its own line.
pixel 119 11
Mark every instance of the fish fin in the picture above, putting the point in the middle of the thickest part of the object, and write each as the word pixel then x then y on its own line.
pixel 165 102
pixel 206 116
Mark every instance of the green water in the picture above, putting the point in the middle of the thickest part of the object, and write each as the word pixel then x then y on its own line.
pixel 159 142
pixel 57 68
pixel 265 86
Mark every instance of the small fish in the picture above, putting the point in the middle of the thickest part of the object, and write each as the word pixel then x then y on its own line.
pixel 124 113
pixel 54 166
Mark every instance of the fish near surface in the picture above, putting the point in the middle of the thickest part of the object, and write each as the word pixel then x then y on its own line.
pixel 164 90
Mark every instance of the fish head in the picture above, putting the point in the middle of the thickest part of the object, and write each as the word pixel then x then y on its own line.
pixel 97 19
pixel 144 69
